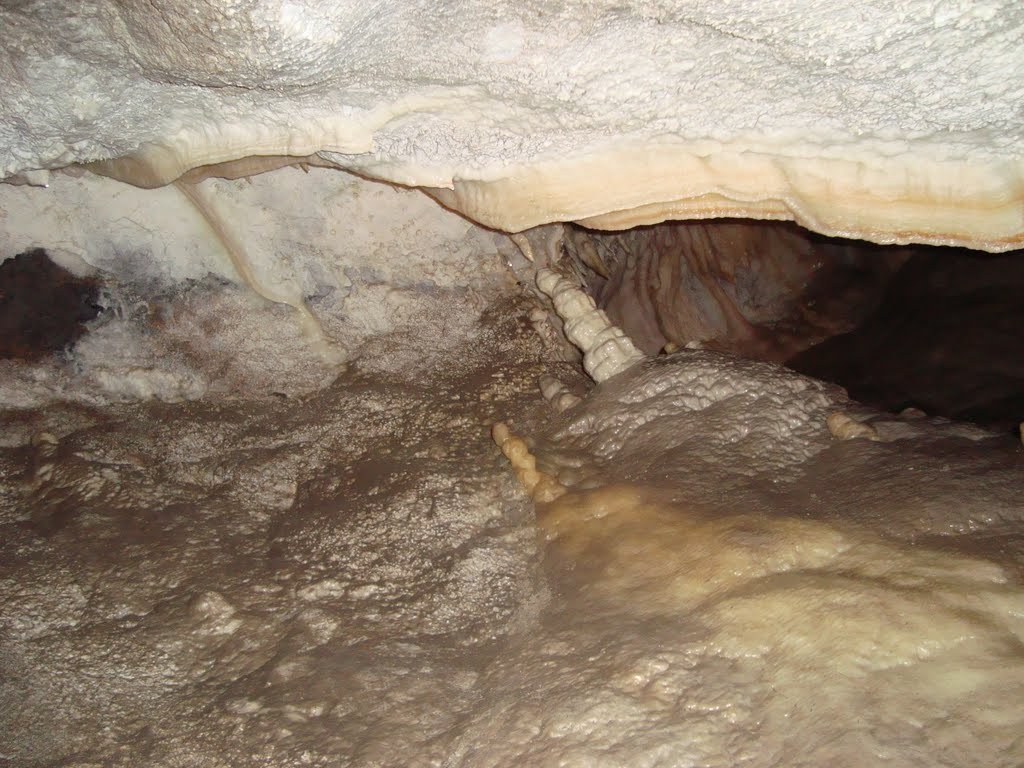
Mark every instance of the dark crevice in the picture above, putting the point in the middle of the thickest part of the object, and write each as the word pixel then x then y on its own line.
pixel 939 329
pixel 762 290
pixel 947 338
pixel 43 307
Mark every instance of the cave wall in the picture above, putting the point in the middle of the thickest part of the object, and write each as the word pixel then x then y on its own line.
pixel 223 545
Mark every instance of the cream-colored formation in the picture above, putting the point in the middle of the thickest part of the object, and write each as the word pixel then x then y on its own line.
pixel 611 115
pixel 809 598
pixel 557 394
pixel 541 486
pixel 766 600
pixel 237 253
pixel 847 428
pixel 606 350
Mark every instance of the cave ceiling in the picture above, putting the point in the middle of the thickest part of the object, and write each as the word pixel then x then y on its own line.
pixel 611 114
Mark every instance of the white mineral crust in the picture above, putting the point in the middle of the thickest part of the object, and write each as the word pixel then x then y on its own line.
pixel 893 121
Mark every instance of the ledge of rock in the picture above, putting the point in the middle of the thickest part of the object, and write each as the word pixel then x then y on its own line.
pixel 837 116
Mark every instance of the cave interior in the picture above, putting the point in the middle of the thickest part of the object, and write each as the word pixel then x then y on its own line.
pixel 468 384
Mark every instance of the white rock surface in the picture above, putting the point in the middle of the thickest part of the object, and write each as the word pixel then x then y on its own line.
pixel 366 258
pixel 893 121
pixel 607 351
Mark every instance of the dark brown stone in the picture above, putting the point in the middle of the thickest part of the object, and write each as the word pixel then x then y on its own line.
pixel 43 307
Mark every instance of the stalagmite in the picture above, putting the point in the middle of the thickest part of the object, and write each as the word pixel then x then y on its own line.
pixel 556 393
pixel 607 351
pixel 846 427
pixel 541 486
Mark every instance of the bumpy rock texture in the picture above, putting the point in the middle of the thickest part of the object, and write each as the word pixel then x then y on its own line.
pixel 893 121
pixel 719 566
pixel 278 580
pixel 763 290
pixel 222 547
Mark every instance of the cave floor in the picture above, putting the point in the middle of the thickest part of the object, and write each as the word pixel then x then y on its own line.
pixel 311 580
pixel 353 577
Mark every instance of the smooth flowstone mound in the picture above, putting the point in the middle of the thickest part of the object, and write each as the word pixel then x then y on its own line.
pixel 521 115
pixel 734 585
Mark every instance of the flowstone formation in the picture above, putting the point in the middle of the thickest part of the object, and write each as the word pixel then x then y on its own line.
pixel 739 603
pixel 267 577
pixel 614 115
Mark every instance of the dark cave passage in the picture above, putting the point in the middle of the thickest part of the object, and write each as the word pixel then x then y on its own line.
pixel 43 307
pixel 937 329
pixel 947 338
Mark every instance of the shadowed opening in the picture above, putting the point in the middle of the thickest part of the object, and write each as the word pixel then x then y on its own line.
pixel 938 329
pixel 43 307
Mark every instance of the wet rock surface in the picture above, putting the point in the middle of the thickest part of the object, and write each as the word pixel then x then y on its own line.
pixel 760 289
pixel 299 580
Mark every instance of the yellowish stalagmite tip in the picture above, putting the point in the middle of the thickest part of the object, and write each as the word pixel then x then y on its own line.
pixel 542 487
